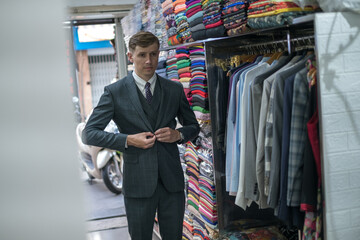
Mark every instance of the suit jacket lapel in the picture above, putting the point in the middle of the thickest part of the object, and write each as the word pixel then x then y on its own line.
pixel 162 102
pixel 134 99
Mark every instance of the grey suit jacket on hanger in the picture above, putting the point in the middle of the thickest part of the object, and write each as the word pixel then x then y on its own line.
pixel 143 167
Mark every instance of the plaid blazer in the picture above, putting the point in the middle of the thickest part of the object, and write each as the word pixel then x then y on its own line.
pixel 142 167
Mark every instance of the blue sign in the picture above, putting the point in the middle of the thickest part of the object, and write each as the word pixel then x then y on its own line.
pixel 88 45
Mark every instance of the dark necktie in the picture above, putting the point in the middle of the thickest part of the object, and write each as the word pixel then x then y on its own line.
pixel 148 92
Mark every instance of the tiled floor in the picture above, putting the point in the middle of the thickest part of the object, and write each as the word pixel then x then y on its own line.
pixel 110 234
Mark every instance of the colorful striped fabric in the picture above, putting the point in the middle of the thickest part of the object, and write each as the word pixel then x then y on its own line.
pixel 188 228
pixel 207 200
pixel 192 171
pixel 198 82
pixel 235 16
pixel 266 13
pixel 200 231
pixel 171 67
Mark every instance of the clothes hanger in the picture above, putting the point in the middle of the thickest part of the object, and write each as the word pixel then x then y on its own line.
pixel 266 51
pixel 237 60
pixel 233 61
pixel 224 66
pixel 222 63
pixel 311 75
pixel 276 55
pixel 251 58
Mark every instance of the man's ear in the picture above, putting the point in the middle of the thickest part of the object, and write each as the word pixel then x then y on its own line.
pixel 130 57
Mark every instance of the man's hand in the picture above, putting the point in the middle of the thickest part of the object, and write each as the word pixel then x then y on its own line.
pixel 167 135
pixel 142 140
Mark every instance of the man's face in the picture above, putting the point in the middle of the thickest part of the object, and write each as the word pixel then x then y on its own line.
pixel 145 60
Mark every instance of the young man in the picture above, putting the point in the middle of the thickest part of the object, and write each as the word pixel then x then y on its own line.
pixel 145 116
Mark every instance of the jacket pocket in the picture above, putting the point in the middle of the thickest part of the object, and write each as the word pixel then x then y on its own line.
pixel 131 158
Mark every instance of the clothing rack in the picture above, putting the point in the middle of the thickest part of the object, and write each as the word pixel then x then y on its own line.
pixel 289 39
pixel 269 47
pixel 289 45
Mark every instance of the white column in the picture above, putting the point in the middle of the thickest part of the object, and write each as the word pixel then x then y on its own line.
pixel 120 49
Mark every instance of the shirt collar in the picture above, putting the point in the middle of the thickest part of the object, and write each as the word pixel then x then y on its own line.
pixel 141 82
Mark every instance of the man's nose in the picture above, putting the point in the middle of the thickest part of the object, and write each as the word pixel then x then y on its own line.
pixel 148 59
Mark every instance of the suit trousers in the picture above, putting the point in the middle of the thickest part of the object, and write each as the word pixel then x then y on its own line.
pixel 141 214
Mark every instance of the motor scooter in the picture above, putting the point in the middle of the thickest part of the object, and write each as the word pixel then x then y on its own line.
pixel 101 163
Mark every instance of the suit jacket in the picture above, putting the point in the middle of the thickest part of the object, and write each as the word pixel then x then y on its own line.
pixel 121 103
pixel 278 87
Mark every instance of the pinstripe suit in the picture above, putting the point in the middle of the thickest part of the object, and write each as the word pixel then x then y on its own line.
pixel 147 172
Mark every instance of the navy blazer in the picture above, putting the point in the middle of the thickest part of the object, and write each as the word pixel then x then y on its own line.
pixel 142 167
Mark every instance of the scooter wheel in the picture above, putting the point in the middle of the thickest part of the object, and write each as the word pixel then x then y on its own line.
pixel 111 179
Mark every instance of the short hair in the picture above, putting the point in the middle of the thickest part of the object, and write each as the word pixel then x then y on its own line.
pixel 142 39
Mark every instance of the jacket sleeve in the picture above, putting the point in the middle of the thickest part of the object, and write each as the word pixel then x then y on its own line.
pixel 190 126
pixel 102 114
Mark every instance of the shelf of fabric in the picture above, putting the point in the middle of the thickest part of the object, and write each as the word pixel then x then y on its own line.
pixel 303 20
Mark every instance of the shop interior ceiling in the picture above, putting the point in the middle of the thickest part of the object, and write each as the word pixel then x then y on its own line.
pixel 79 10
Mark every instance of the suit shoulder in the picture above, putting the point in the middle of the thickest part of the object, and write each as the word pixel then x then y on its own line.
pixel 169 83
pixel 116 85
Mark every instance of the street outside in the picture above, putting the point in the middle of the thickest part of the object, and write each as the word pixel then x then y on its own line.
pixel 105 212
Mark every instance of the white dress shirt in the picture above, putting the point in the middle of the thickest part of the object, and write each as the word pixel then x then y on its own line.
pixel 141 83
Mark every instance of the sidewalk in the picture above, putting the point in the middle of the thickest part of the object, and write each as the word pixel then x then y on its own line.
pixel 106 216
pixel 109 229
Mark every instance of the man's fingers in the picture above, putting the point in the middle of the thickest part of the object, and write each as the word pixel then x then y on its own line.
pixel 166 135
pixel 142 140
pixel 149 135
pixel 161 130
pixel 149 141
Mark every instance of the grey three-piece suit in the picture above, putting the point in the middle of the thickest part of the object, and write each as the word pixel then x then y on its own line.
pixel 147 172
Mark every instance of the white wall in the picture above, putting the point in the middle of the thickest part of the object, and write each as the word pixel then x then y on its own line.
pixel 40 189
pixel 338 51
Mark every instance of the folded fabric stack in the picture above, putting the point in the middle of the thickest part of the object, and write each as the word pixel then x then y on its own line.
pixel 161 67
pixel 204 140
pixel 181 20
pixel 212 18
pixel 198 82
pixel 171 67
pixel 207 200
pixel 187 226
pixel 202 116
pixel 194 14
pixel 253 229
pixel 157 23
pixel 168 11
pixel 144 18
pixel 131 23
pixel 234 14
pixel 183 66
pixel 192 162
pixel 265 13
pixel 199 228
